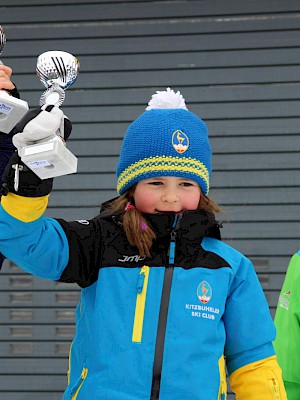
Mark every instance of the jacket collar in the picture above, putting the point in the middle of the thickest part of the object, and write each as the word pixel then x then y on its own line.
pixel 193 227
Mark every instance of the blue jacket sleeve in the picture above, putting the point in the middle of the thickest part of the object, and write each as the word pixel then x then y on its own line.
pixel 39 247
pixel 249 326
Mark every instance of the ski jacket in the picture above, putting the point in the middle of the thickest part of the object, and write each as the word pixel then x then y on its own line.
pixel 287 343
pixel 151 328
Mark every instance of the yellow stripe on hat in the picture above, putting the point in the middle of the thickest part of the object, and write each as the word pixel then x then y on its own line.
pixel 163 163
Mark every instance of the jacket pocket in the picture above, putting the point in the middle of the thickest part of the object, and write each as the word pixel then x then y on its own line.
pixel 274 385
pixel 71 392
pixel 223 382
pixel 142 287
pixel 77 386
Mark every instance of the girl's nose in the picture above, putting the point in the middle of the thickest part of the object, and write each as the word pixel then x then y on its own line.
pixel 170 197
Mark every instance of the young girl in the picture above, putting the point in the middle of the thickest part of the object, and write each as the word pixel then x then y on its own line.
pixel 165 306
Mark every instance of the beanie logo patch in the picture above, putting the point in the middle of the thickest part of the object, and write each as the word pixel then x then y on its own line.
pixel 180 141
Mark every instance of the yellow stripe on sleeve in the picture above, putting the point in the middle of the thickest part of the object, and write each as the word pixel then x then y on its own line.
pixel 261 380
pixel 25 209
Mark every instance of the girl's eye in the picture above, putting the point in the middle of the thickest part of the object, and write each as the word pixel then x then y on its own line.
pixel 155 183
pixel 187 184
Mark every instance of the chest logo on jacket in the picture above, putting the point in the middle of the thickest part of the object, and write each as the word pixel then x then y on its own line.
pixel 284 300
pixel 204 292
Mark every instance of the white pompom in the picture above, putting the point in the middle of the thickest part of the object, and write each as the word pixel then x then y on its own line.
pixel 166 99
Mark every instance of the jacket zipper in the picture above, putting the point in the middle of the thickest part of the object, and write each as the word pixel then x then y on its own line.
pixel 79 383
pixel 140 304
pixel 163 312
pixel 275 388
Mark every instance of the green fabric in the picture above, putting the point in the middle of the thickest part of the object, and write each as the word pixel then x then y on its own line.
pixel 292 390
pixel 287 343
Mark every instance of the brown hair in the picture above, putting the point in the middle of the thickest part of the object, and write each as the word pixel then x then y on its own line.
pixel 137 230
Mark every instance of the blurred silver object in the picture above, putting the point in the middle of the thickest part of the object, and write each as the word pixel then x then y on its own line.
pixel 57 70
pixel 11 108
pixel 2 41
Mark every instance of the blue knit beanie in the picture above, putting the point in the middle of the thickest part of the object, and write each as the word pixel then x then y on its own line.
pixel 166 140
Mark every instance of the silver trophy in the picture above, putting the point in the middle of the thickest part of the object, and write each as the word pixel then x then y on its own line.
pixel 11 108
pixel 57 70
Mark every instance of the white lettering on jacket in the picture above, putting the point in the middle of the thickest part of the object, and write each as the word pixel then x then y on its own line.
pixel 135 258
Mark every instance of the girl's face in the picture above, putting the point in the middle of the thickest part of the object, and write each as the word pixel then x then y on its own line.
pixel 165 194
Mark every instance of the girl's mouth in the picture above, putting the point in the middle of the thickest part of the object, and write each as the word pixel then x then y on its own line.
pixel 166 211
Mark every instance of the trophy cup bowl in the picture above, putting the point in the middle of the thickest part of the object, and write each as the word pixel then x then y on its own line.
pixel 57 70
pixel 11 108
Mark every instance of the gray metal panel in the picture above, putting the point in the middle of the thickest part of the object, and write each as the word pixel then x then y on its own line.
pixel 159 44
pixel 177 78
pixel 237 65
pixel 41 383
pixel 29 395
pixel 141 10
pixel 177 61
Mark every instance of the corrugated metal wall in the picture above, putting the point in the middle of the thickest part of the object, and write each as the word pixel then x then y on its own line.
pixel 237 65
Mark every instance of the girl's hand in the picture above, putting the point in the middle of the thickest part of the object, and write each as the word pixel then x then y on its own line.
pixel 5 74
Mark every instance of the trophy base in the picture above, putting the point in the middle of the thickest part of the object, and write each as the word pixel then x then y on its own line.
pixel 49 159
pixel 12 110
